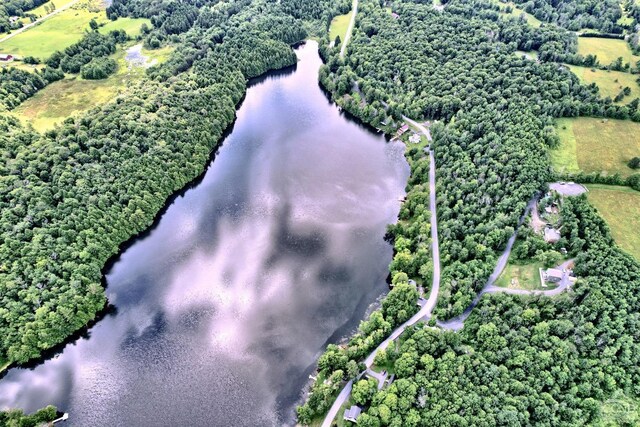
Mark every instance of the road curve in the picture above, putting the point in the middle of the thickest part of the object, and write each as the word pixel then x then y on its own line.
pixel 335 408
pixel 427 308
pixel 37 21
pixel 352 23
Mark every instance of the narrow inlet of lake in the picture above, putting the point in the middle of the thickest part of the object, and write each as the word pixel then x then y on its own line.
pixel 224 306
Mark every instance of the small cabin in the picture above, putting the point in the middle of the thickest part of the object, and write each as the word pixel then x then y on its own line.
pixel 553 275
pixel 6 57
pixel 352 414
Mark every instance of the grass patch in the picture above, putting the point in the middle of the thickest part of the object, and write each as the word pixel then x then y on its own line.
pixel 40 11
pixel 619 410
pixel 596 145
pixel 339 27
pixel 74 95
pixel 607 50
pixel 517 13
pixel 620 207
pixel 65 29
pixel 130 25
pixel 610 83
pixel 565 157
pixel 522 276
pixel 532 55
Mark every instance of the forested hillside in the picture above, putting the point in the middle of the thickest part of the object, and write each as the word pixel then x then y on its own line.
pixel 491 159
pixel 577 15
pixel 70 197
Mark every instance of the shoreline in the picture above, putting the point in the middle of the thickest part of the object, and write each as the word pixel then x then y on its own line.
pixel 108 308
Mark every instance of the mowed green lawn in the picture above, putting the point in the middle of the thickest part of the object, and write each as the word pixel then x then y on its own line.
pixel 596 145
pixel 64 29
pixel 610 83
pixel 607 50
pixel 339 27
pixel 521 276
pixel 620 207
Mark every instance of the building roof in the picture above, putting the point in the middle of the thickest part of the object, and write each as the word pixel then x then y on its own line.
pixel 5 56
pixel 554 273
pixel 551 235
pixel 352 413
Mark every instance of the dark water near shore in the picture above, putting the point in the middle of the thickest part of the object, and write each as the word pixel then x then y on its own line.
pixel 224 306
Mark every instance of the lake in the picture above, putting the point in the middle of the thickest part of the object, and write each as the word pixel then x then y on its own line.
pixel 223 307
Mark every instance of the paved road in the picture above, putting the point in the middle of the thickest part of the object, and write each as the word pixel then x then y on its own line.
pixel 335 408
pixel 352 23
pixel 427 308
pixel 37 21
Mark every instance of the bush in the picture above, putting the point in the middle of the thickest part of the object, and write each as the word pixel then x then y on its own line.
pixel 634 163
pixel 98 68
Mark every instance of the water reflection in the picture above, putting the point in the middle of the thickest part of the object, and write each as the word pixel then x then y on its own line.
pixel 224 306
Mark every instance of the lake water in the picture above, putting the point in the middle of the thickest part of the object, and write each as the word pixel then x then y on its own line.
pixel 224 306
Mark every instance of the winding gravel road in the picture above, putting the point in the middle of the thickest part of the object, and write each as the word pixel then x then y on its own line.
pixel 427 308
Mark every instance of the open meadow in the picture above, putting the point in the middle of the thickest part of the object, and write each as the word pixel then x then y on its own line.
pixel 66 28
pixel 339 27
pixel 610 83
pixel 620 207
pixel 73 95
pixel 517 12
pixel 607 50
pixel 596 145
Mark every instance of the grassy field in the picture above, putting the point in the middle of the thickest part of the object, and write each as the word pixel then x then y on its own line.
pixel 130 25
pixel 607 50
pixel 620 207
pixel 619 410
pixel 73 95
pixel 533 55
pixel 596 145
pixel 64 29
pixel 609 82
pixel 516 13
pixel 339 27
pixel 521 276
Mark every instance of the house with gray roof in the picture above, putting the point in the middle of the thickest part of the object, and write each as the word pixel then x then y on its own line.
pixel 352 414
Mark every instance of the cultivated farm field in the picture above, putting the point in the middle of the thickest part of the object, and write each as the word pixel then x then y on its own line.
pixel 596 145
pixel 610 83
pixel 620 207
pixel 607 50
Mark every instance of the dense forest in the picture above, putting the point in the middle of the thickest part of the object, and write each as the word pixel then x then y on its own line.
pixel 17 85
pixel 576 15
pixel 491 157
pixel 525 360
pixel 519 360
pixel 71 196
